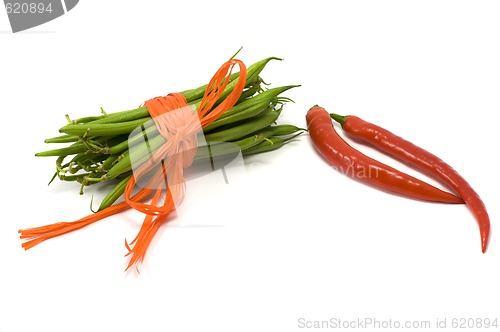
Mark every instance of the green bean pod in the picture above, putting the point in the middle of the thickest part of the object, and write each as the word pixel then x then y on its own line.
pixel 108 162
pixel 75 148
pixel 123 116
pixel 115 193
pixel 273 143
pixel 249 108
pixel 279 130
pixel 86 119
pixel 148 131
pixel 265 95
pixel 244 129
pixel 254 88
pixel 100 129
pixel 62 139
pixel 252 73
pixel 253 110
pixel 226 148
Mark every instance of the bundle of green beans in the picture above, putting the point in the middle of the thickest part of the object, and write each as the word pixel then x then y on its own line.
pixel 100 147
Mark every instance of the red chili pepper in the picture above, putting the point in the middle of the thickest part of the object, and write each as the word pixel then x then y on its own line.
pixel 421 159
pixel 359 166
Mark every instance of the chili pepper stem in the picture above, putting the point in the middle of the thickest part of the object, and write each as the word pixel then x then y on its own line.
pixel 339 118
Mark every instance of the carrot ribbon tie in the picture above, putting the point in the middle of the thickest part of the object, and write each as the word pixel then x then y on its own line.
pixel 180 126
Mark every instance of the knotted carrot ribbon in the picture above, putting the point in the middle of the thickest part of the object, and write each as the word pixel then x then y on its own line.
pixel 177 123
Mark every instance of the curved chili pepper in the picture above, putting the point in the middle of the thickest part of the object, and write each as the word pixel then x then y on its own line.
pixel 421 159
pixel 370 171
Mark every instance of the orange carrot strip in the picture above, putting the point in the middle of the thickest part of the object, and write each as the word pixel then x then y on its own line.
pixel 177 153
pixel 179 131
pixel 49 231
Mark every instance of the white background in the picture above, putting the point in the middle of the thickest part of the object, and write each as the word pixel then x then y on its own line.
pixel 294 239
